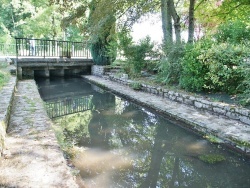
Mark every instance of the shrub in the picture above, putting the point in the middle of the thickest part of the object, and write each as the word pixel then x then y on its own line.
pixel 245 96
pixel 136 54
pixel 135 85
pixel 224 71
pixel 169 67
pixel 193 69
pixel 233 32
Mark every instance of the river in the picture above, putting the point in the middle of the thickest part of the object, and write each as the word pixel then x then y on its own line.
pixel 122 144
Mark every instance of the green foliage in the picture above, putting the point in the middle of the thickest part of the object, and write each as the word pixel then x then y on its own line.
pixel 193 69
pixel 245 96
pixel 71 129
pixel 224 71
pixel 233 32
pixel 136 54
pixel 98 52
pixel 135 85
pixel 214 67
pixel 212 158
pixel 101 38
pixel 169 68
pixel 4 74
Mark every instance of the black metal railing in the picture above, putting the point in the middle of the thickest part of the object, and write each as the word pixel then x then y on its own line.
pixel 68 106
pixel 27 47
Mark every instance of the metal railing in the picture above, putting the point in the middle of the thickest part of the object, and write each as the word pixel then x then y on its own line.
pixel 26 47
pixel 68 106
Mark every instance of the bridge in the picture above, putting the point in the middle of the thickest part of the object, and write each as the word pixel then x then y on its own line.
pixel 45 58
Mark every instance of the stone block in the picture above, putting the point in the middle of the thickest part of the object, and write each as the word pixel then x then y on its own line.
pixel 219 110
pixel 232 115
pixel 245 119
pixel 176 94
pixel 154 91
pixel 172 97
pixel 243 112
pixel 188 101
pixel 171 93
pixel 192 98
pixel 179 99
pixel 198 104
pixel 166 95
pixel 2 137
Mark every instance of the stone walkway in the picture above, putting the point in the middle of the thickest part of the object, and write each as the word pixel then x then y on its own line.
pixel 232 132
pixel 32 156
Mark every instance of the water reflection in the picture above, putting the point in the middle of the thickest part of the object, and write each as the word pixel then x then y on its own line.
pixel 70 105
pixel 123 145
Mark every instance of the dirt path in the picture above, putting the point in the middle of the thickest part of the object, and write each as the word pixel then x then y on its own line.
pixel 33 157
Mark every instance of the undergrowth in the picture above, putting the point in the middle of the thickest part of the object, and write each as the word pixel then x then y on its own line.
pixel 4 74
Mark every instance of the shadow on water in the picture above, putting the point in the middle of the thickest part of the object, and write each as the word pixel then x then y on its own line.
pixel 121 144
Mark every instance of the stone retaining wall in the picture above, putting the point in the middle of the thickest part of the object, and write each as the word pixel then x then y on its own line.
pixel 97 70
pixel 218 108
pixel 6 93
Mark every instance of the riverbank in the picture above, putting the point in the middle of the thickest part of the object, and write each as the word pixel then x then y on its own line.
pixel 32 156
pixel 233 133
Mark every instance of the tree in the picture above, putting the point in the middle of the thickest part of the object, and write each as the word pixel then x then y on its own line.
pixel 31 17
pixel 102 30
pixel 191 21
pixel 166 23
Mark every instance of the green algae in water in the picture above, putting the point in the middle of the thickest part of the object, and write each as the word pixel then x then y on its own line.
pixel 212 158
pixel 213 139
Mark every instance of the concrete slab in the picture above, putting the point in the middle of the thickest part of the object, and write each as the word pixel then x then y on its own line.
pixel 32 156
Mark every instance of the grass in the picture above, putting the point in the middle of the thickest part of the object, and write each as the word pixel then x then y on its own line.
pixel 4 74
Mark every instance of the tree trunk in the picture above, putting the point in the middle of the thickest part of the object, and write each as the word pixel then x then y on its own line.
pixel 176 18
pixel 166 23
pixel 191 21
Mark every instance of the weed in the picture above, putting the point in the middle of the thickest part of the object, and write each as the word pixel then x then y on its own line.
pixel 212 158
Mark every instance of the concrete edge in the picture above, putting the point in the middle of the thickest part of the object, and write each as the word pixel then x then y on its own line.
pixel 231 143
pixel 7 96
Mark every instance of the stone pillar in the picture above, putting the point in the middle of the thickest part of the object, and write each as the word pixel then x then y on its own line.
pixel 19 73
pixel 46 73
pixel 97 70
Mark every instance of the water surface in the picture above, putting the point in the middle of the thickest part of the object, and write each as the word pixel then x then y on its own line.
pixel 124 145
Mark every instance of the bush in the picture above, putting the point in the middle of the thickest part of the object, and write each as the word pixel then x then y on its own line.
pixel 193 69
pixel 169 68
pixel 245 96
pixel 4 74
pixel 135 85
pixel 136 54
pixel 224 71
pixel 233 32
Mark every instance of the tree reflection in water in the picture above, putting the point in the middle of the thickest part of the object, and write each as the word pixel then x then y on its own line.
pixel 123 145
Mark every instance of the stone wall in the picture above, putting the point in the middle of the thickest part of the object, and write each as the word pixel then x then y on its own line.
pixel 97 70
pixel 218 108
pixel 6 93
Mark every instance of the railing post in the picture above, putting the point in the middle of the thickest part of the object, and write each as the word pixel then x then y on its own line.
pixel 43 48
pixel 16 50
